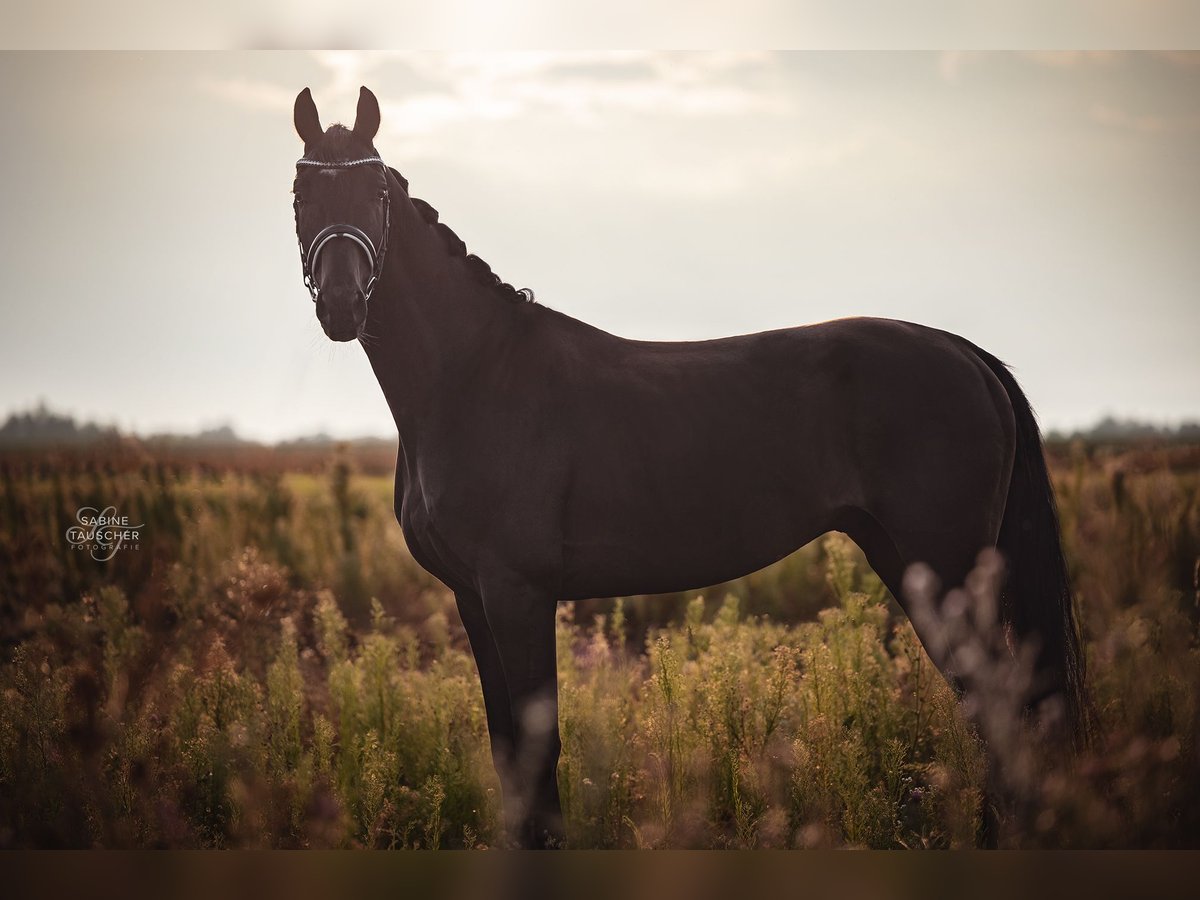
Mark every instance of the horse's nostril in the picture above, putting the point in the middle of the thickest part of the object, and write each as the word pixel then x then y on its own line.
pixel 360 306
pixel 321 308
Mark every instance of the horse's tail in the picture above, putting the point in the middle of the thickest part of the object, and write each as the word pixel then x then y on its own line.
pixel 1037 603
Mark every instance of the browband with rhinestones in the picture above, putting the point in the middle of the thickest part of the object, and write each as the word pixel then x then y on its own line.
pixel 339 165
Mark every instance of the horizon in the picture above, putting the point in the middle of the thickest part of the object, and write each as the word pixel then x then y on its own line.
pixel 1129 426
pixel 1045 206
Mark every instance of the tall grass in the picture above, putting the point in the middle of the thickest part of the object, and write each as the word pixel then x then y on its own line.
pixel 270 668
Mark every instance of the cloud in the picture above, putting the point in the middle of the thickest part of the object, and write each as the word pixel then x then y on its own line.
pixel 953 63
pixel 582 86
pixel 698 94
pixel 1184 59
pixel 347 68
pixel 465 87
pixel 1114 117
pixel 714 175
pixel 249 93
pixel 1074 59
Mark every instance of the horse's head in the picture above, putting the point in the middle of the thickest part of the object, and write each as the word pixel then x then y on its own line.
pixel 342 214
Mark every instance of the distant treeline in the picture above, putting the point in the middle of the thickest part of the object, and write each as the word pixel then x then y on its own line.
pixel 43 427
pixel 1111 430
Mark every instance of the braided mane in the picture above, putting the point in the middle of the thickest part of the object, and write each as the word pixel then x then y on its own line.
pixel 479 269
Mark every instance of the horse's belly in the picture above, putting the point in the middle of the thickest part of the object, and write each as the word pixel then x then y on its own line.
pixel 661 553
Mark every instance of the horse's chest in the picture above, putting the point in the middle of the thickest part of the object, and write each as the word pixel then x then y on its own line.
pixel 429 538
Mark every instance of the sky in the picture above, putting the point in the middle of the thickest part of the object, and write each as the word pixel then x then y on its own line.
pixel 1045 205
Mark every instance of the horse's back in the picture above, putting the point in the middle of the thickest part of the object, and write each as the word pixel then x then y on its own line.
pixel 862 377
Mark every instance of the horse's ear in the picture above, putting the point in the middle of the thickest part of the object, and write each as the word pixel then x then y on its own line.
pixel 366 121
pixel 308 123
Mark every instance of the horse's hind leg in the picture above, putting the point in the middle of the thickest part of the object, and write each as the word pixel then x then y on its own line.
pixel 890 565
pixel 952 557
pixel 951 553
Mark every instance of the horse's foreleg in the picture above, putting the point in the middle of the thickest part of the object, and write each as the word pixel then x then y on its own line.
pixel 521 620
pixel 501 729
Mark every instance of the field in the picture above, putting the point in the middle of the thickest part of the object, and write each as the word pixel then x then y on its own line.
pixel 269 668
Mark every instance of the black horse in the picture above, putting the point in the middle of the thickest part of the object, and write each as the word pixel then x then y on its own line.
pixel 542 459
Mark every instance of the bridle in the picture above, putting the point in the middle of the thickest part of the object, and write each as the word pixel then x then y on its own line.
pixel 375 256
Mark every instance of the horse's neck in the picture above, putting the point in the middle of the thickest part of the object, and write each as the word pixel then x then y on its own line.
pixel 428 320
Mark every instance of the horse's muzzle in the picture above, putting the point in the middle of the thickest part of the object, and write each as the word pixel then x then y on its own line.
pixel 342 312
